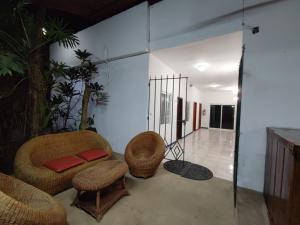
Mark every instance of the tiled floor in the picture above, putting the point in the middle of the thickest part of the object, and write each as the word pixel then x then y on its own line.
pixel 214 149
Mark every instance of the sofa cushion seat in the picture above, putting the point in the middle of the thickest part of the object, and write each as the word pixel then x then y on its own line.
pixel 92 154
pixel 61 164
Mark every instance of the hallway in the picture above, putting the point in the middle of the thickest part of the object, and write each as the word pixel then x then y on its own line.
pixel 214 149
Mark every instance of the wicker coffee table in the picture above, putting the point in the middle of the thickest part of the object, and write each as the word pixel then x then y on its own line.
pixel 100 186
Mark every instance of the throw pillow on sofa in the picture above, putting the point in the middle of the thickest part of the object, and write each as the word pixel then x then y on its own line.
pixel 61 164
pixel 92 154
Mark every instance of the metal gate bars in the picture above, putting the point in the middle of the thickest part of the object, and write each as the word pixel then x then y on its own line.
pixel 167 106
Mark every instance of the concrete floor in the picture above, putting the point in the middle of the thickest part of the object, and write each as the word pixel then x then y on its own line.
pixel 251 208
pixel 167 198
pixel 214 149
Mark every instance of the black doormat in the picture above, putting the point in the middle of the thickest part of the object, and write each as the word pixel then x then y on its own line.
pixel 188 170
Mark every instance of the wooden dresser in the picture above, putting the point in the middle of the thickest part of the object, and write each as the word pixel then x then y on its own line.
pixel 282 176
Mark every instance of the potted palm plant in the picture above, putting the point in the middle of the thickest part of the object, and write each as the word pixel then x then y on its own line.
pixel 67 95
pixel 92 90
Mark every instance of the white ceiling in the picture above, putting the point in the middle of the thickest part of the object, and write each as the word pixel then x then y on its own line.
pixel 222 53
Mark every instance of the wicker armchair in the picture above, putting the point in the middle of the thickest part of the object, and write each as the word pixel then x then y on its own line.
pixel 33 154
pixel 144 153
pixel 22 204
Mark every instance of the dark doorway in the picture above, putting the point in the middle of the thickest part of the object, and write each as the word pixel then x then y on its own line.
pixel 215 116
pixel 200 115
pixel 194 116
pixel 228 116
pixel 179 118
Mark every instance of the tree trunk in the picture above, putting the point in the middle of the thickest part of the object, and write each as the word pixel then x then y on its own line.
pixel 36 98
pixel 36 80
pixel 85 107
pixel 67 116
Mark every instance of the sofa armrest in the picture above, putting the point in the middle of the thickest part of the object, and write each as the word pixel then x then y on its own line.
pixel 25 170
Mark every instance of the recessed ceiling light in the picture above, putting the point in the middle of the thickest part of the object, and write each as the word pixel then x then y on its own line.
pixel 202 66
pixel 234 89
pixel 230 67
pixel 214 85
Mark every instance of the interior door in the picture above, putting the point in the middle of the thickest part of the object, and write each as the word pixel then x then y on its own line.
pixel 200 115
pixel 215 116
pixel 194 116
pixel 228 116
pixel 179 118
pixel 237 128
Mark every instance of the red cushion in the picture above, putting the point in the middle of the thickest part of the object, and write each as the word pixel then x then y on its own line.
pixel 92 154
pixel 64 163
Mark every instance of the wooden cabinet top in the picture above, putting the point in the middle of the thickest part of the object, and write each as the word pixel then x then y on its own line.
pixel 289 134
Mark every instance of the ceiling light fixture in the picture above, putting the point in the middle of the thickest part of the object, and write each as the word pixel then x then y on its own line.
pixel 230 67
pixel 214 85
pixel 202 66
pixel 235 91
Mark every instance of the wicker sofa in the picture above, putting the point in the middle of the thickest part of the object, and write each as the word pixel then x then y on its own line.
pixel 33 154
pixel 21 204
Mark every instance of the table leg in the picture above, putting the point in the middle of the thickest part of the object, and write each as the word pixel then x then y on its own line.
pixel 98 200
pixel 76 200
pixel 98 217
pixel 124 183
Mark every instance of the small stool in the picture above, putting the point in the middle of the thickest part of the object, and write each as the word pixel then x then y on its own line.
pixel 100 186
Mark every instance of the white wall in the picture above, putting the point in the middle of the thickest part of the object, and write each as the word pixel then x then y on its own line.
pixel 271 84
pixel 195 95
pixel 125 115
pixel 176 22
pixel 125 80
pixel 157 68
pixel 119 35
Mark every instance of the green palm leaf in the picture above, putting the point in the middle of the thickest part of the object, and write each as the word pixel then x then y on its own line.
pixel 10 42
pixel 10 64
pixel 58 31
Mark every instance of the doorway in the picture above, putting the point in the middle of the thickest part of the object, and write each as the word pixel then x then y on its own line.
pixel 222 116
pixel 194 116
pixel 228 117
pixel 212 71
pixel 179 118
pixel 215 116
pixel 200 116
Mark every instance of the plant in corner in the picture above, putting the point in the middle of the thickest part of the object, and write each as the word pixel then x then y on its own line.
pixel 65 96
pixel 22 52
pixel 92 90
pixel 91 123
pixel 67 93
